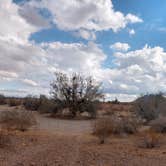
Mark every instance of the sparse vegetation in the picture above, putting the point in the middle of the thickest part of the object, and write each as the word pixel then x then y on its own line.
pixel 77 93
pixel 159 125
pixel 129 125
pixel 149 139
pixel 102 128
pixel 4 138
pixel 124 125
pixel 46 105
pixel 17 120
pixel 14 102
pixel 115 101
pixel 2 99
pixel 31 103
pixel 148 106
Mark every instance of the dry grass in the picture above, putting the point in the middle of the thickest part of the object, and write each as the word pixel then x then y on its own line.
pixel 14 102
pixel 4 138
pixel 102 128
pixel 31 103
pixel 17 120
pixel 149 139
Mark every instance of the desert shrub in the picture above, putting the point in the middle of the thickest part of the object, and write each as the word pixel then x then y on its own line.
pixel 17 120
pixel 116 101
pixel 31 103
pixel 2 99
pixel 4 138
pixel 47 105
pixel 89 107
pixel 159 125
pixel 124 125
pixel 130 125
pixel 149 139
pixel 102 128
pixel 77 93
pixel 14 102
pixel 148 106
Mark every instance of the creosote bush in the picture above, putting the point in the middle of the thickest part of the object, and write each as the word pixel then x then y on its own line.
pixel 17 120
pixel 149 139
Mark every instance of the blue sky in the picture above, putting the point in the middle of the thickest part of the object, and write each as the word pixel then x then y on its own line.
pixel 120 43
pixel 150 32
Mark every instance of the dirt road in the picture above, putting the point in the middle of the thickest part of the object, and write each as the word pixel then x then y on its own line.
pixel 54 125
pixel 63 126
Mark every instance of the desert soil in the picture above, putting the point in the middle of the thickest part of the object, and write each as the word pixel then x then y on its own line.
pixel 70 143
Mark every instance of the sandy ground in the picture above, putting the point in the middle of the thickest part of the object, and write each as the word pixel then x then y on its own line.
pixel 47 124
pixel 63 126
pixel 69 143
pixel 43 149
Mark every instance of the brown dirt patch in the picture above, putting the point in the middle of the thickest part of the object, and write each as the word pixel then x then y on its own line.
pixel 44 149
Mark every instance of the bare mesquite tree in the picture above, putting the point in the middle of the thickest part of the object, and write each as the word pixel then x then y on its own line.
pixel 77 93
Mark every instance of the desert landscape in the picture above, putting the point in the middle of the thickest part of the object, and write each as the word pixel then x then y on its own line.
pixel 82 83
pixel 62 141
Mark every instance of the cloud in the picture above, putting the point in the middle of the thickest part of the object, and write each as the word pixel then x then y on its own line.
pixel 121 97
pixel 139 71
pixel 32 16
pixel 13 26
pixel 29 65
pixel 25 64
pixel 75 56
pixel 131 31
pixel 5 74
pixel 85 34
pixel 29 82
pixel 84 15
pixel 133 19
pixel 120 46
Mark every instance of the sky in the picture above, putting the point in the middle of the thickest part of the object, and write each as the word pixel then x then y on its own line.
pixel 120 43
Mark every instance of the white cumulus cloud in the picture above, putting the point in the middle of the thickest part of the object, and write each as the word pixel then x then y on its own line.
pixel 120 46
pixel 74 15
